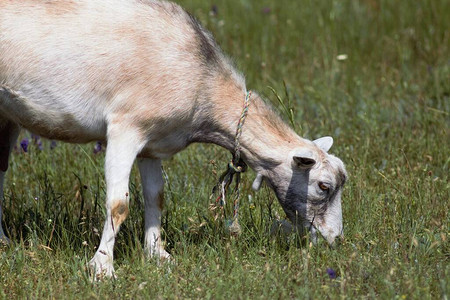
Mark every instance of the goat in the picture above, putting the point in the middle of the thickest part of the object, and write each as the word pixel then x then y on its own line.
pixel 146 78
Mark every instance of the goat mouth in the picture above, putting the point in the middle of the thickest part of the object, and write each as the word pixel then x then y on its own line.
pixel 332 242
pixel 316 230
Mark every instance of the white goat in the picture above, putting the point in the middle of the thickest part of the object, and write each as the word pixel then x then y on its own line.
pixel 146 78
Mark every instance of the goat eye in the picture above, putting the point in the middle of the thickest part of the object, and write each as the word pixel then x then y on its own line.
pixel 323 186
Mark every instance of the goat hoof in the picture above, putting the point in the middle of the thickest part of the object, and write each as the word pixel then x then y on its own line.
pixel 101 267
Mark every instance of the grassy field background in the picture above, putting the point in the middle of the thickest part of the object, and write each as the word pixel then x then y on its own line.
pixel 374 74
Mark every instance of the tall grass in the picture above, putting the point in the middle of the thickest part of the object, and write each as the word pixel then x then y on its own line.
pixel 374 74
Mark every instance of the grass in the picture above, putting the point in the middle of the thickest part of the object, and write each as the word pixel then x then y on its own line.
pixel 374 74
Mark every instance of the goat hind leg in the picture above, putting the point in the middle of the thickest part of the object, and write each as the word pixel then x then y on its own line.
pixel 152 184
pixel 8 136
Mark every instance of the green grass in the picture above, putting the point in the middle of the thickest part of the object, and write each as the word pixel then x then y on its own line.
pixel 387 106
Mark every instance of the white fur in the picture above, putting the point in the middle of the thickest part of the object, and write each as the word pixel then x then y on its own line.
pixel 123 146
pixel 332 227
pixel 324 143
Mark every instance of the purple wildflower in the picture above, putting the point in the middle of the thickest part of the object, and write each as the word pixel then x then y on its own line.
pixel 37 141
pixel 266 10
pixel 331 273
pixel 98 147
pixel 35 138
pixel 24 144
pixel 52 145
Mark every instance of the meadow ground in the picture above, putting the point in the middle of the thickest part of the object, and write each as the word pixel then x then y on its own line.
pixel 374 74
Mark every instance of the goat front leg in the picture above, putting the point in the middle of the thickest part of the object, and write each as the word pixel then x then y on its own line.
pixel 153 184
pixel 123 146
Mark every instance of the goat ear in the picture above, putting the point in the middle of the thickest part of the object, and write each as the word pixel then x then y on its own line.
pixel 257 182
pixel 324 143
pixel 304 159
